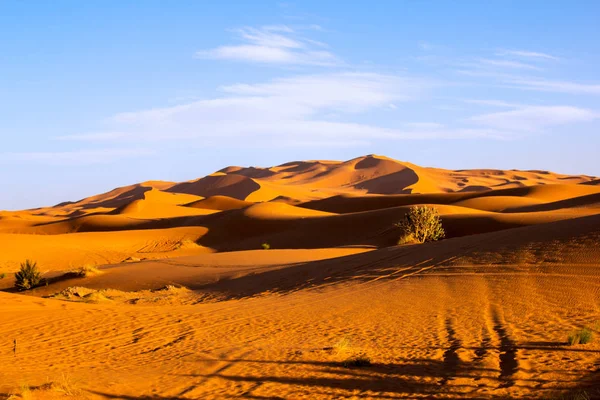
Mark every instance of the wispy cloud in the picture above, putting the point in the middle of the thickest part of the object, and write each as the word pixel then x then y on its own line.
pixel 425 45
pixel 536 83
pixel 554 86
pixel 76 157
pixel 274 44
pixel 292 110
pixel 509 64
pixel 494 103
pixel 423 125
pixel 527 54
pixel 534 119
pixel 325 109
pixel 93 136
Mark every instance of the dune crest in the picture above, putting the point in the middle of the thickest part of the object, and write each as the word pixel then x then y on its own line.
pixel 282 282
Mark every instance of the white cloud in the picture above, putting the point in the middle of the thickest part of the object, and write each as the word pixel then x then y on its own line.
pixel 295 110
pixel 533 83
pixel 326 109
pixel 527 54
pixel 534 118
pixel 277 44
pixel 76 157
pixel 425 45
pixel 554 86
pixel 494 103
pixel 266 37
pixel 95 136
pixel 424 125
pixel 509 64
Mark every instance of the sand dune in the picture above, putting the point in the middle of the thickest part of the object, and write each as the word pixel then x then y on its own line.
pixel 187 304
pixel 220 203
pixel 313 180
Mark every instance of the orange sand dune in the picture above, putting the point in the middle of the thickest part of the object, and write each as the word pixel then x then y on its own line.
pixel 220 203
pixel 434 323
pixel 68 251
pixel 313 180
pixel 186 303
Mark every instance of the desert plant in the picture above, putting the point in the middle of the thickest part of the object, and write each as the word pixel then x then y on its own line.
pixel 2 275
pixel 582 336
pixel 87 270
pixel 28 276
pixel 577 395
pixel 421 224
pixel 266 246
pixel 342 346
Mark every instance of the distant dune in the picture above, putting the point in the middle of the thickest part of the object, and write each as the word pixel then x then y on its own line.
pixel 263 282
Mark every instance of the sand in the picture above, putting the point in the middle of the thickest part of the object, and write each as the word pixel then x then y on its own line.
pixel 187 304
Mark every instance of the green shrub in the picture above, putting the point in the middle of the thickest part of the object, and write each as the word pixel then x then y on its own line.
pixel 28 276
pixel 266 246
pixel 2 275
pixel 421 224
pixel 582 336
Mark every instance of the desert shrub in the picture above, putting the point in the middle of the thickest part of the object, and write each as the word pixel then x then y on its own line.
pixel 358 360
pixel 577 395
pixel 2 275
pixel 582 336
pixel 421 224
pixel 87 270
pixel 28 276
pixel 342 346
pixel 266 246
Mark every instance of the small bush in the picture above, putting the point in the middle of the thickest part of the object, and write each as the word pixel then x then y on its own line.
pixel 578 395
pixel 359 360
pixel 87 270
pixel 342 346
pixel 266 246
pixel 421 224
pixel 582 336
pixel 28 276
pixel 2 275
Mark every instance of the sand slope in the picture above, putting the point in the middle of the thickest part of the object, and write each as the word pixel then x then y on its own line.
pixel 186 304
pixel 432 326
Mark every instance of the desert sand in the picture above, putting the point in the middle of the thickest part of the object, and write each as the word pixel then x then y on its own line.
pixel 185 303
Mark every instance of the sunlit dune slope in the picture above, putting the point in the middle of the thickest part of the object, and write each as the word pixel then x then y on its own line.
pixel 313 180
pixel 479 316
pixel 264 283
pixel 315 204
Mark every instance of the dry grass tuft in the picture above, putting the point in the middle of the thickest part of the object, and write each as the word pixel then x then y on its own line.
pixel 63 387
pixel 88 270
pixel 342 346
pixel 582 336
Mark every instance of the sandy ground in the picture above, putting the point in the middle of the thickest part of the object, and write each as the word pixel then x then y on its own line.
pixel 186 304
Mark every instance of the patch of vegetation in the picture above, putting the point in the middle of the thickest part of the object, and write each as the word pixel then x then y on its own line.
pixel 421 224
pixel 578 395
pixel 29 276
pixel 61 388
pixel 266 246
pixel 87 270
pixel 582 336
pixel 342 345
pixel 358 360
pixel 186 244
pixel 2 275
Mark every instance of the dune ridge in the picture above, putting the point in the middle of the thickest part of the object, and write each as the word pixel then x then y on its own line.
pixel 263 283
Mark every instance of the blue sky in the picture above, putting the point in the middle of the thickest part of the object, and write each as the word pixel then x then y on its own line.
pixel 96 94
